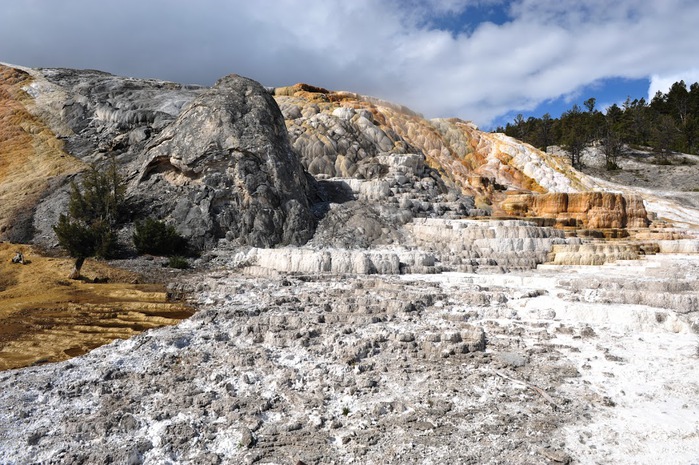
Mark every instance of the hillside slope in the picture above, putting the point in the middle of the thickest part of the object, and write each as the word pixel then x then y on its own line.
pixel 32 157
pixel 57 121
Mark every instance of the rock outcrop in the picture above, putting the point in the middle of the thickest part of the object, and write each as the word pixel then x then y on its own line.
pixel 345 135
pixel 223 162
pixel 584 210
pixel 225 168
pixel 32 158
pixel 228 162
pixel 321 353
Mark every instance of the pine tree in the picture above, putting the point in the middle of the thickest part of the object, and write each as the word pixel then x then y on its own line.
pixel 94 211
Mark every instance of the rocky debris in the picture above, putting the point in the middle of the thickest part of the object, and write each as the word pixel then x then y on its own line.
pixel 375 369
pixel 224 168
pixel 18 258
pixel 274 370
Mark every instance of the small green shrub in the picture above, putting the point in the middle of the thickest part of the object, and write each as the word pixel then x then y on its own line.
pixel 157 238
pixel 179 262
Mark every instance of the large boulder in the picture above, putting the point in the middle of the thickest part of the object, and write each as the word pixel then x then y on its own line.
pixel 225 168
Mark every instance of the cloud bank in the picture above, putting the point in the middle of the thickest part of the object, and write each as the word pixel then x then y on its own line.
pixel 396 50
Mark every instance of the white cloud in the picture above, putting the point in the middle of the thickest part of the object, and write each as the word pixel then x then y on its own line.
pixel 390 48
pixel 663 83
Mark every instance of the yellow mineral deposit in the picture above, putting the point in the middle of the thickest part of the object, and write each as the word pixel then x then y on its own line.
pixel 45 317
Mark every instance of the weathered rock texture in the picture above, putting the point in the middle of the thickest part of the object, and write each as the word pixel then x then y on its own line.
pixel 228 161
pixel 383 369
pixel 468 245
pixel 225 168
pixel 221 168
pixel 297 356
pixel 586 210
pixel 342 134
pixel 99 117
pixel 32 158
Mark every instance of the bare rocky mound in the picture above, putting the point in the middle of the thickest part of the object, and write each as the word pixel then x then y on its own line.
pixel 32 159
pixel 333 352
pixel 225 168
pixel 214 162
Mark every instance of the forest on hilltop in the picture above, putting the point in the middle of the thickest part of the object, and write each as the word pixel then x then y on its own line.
pixel 670 122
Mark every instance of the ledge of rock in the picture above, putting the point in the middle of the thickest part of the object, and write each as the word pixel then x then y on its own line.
pixel 591 210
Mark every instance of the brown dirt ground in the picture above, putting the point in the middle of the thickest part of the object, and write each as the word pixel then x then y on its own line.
pixel 45 317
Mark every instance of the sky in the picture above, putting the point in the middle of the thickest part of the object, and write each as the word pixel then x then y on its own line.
pixel 479 60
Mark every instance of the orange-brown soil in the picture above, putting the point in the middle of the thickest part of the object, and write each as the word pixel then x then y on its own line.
pixel 30 153
pixel 45 317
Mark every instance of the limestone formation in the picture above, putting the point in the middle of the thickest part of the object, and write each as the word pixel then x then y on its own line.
pixel 380 369
pixel 219 164
pixel 468 245
pixel 32 158
pixel 586 210
pixel 224 168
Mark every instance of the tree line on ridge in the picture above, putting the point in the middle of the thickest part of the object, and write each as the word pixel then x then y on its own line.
pixel 669 123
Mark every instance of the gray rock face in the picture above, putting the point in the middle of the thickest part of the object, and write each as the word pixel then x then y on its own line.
pixel 100 117
pixel 98 113
pixel 225 168
pixel 341 143
pixel 214 162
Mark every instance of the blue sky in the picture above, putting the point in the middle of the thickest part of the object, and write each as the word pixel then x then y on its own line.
pixel 606 92
pixel 479 60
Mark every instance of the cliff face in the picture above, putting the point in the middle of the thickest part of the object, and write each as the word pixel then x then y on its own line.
pixel 214 162
pixel 588 210
pixel 341 134
pixel 225 168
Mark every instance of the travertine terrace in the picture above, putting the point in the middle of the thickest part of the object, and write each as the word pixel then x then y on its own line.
pixel 374 287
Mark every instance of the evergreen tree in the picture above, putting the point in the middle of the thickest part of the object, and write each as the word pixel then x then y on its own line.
pixel 94 211
pixel 574 134
pixel 669 122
